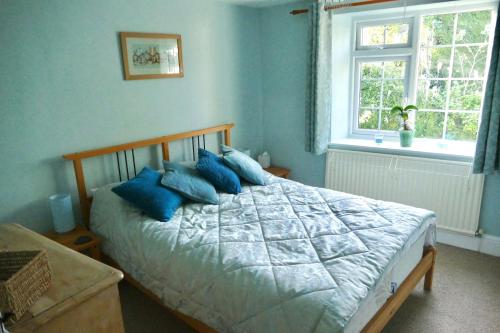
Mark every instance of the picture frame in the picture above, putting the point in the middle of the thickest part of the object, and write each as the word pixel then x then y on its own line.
pixel 151 55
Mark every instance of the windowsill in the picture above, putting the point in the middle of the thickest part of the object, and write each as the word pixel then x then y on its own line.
pixel 445 150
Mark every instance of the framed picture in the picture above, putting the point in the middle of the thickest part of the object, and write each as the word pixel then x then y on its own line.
pixel 151 56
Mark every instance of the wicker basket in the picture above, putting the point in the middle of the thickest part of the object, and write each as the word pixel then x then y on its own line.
pixel 24 277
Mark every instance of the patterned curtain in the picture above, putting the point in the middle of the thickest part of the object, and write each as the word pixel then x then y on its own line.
pixel 487 149
pixel 319 97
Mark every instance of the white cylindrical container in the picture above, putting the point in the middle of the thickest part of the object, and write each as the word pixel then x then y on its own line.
pixel 264 160
pixel 62 212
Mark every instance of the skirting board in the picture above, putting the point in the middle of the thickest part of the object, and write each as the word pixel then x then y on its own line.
pixel 485 244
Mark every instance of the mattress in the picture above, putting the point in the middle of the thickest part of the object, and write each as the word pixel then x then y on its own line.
pixel 388 285
pixel 284 257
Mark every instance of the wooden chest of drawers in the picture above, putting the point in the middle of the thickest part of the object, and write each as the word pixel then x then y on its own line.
pixel 83 296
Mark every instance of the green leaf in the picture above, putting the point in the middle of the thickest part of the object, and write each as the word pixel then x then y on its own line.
pixel 397 108
pixel 411 107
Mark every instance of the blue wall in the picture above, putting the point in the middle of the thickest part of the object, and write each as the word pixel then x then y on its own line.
pixel 284 59
pixel 63 90
pixel 284 54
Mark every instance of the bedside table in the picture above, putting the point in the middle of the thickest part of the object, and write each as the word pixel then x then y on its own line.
pixel 278 171
pixel 68 239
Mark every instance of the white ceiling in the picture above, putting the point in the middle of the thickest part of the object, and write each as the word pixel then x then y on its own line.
pixel 260 3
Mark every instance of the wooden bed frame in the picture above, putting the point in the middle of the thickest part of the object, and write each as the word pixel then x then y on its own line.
pixel 424 268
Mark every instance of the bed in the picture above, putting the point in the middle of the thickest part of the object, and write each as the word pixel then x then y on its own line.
pixel 284 257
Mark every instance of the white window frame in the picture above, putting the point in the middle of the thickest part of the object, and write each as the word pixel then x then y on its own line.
pixel 410 51
pixel 360 25
pixel 407 53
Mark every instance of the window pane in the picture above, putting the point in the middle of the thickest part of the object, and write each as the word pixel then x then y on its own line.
pixel 387 77
pixel 387 34
pixel 473 27
pixel 370 93
pixel 393 93
pixel 466 95
pixel 371 70
pixel 390 121
pixel 395 69
pixel 368 119
pixel 397 34
pixel 437 30
pixel 431 94
pixel 435 62
pixel 470 62
pixel 373 35
pixel 462 126
pixel 429 124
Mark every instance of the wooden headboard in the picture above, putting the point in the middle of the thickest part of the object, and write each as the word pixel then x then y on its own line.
pixel 77 158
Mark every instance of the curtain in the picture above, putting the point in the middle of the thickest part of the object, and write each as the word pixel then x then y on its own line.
pixel 487 149
pixel 319 92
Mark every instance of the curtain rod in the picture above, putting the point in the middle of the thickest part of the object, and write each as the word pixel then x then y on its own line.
pixel 343 5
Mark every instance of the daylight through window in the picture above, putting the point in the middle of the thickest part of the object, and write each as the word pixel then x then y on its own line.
pixel 449 80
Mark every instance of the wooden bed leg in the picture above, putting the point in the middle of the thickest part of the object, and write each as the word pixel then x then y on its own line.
pixel 430 273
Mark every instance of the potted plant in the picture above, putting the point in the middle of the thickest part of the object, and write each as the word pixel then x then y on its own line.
pixel 406 132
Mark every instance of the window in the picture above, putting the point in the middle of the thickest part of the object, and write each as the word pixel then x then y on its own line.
pixel 385 35
pixel 444 74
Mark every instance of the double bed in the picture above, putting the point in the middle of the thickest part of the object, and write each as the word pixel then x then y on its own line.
pixel 284 257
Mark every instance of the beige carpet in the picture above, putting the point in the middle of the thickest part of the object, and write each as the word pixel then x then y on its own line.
pixel 465 298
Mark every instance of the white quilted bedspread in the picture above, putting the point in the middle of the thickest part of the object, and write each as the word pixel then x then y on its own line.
pixel 278 258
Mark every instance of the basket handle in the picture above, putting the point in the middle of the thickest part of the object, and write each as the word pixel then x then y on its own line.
pixel 3 319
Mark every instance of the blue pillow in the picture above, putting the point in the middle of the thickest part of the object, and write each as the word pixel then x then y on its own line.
pixel 214 170
pixel 245 166
pixel 188 182
pixel 145 192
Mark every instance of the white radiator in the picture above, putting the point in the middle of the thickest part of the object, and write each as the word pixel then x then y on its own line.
pixel 446 187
